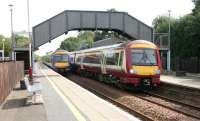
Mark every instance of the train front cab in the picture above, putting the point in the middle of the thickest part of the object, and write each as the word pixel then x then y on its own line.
pixel 61 61
pixel 143 64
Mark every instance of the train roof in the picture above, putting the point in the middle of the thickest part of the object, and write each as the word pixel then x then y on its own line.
pixel 100 48
pixel 142 44
pixel 60 52
pixel 118 46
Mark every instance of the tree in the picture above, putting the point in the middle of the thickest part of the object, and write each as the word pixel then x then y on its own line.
pixel 112 10
pixel 70 44
pixel 196 10
pixel 99 35
pixel 196 13
pixel 21 41
pixel 37 58
pixel 161 25
pixel 82 41
pixel 87 37
pixel 185 32
pixel 186 36
pixel 47 57
pixel 7 45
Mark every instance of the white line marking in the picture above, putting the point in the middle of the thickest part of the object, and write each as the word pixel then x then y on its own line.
pixel 74 110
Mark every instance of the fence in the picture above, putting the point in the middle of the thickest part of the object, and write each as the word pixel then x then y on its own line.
pixel 191 65
pixel 10 73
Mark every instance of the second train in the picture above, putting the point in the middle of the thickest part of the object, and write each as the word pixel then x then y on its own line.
pixel 135 63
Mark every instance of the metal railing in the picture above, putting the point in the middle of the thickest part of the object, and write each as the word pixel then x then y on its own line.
pixel 5 59
pixel 10 73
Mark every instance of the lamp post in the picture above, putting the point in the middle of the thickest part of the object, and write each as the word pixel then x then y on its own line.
pixel 30 46
pixel 12 36
pixel 3 40
pixel 169 52
pixel 29 36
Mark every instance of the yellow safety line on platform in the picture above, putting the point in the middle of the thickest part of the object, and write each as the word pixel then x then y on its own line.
pixel 74 110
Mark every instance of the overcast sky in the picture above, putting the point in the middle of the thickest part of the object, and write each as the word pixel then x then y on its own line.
pixel 40 10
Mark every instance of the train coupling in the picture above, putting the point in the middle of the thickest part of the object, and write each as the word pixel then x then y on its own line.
pixel 146 82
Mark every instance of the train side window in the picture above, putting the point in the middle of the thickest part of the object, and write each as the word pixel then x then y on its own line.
pixel 78 60
pixel 92 58
pixel 95 58
pixel 112 58
pixel 109 59
pixel 116 58
pixel 121 58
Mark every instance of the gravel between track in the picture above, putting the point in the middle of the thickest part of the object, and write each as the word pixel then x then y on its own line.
pixel 158 113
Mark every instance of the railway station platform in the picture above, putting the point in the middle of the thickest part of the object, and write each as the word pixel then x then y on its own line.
pixel 67 101
pixel 15 107
pixel 190 81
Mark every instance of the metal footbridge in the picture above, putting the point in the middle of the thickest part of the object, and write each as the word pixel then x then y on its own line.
pixel 68 20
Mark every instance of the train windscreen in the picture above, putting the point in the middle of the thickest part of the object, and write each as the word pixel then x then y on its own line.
pixel 144 57
pixel 60 58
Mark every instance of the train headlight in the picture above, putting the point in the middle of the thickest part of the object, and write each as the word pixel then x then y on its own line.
pixel 132 71
pixel 157 71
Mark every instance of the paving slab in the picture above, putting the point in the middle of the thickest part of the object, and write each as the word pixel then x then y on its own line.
pixel 56 108
pixel 84 105
pixel 15 109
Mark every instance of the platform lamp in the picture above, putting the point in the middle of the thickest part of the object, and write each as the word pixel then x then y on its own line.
pixel 12 35
pixel 30 47
pixel 169 42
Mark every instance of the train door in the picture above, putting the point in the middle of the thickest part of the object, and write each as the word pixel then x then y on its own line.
pixel 103 61
pixel 81 63
pixel 121 60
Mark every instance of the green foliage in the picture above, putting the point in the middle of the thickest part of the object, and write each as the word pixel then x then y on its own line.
pixel 161 24
pixel 196 10
pixel 47 57
pixel 83 40
pixel 70 44
pixel 112 10
pixel 99 35
pixel 21 41
pixel 86 39
pixel 185 32
pixel 7 45
pixel 37 58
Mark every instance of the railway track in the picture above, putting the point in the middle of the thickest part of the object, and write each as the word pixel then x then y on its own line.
pixel 149 96
pixel 128 108
pixel 172 100
pixel 186 109
pixel 180 94
pixel 187 99
pixel 119 104
pixel 113 101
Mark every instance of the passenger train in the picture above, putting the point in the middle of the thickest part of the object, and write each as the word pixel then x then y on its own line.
pixel 60 60
pixel 136 63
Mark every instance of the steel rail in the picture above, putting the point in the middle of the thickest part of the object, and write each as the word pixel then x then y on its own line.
pixel 119 104
pixel 168 107
pixel 138 114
